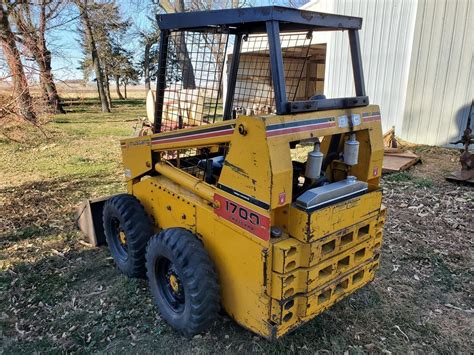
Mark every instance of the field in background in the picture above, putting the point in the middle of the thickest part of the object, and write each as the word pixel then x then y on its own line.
pixel 60 295
pixel 78 90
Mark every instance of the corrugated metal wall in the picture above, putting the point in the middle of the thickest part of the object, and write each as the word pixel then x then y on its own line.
pixel 418 63
pixel 441 81
pixel 386 38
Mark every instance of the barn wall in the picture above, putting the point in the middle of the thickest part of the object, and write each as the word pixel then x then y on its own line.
pixel 386 38
pixel 441 81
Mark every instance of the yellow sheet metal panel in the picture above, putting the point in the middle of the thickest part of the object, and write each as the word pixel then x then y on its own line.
pixel 136 156
pixel 241 264
pixel 247 169
pixel 168 207
pixel 332 218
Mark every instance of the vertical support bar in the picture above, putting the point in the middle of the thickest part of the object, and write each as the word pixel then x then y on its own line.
pixel 357 63
pixel 232 78
pixel 276 66
pixel 161 79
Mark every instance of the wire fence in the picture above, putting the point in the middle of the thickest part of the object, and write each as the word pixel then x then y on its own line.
pixel 195 75
pixel 254 90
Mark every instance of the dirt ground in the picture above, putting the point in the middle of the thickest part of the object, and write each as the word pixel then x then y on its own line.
pixel 57 294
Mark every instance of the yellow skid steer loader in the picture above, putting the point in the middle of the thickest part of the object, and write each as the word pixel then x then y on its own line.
pixel 255 192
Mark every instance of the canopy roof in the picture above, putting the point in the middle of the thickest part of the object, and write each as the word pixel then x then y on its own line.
pixel 253 20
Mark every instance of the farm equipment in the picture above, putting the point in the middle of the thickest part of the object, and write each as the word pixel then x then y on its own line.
pixel 466 175
pixel 255 193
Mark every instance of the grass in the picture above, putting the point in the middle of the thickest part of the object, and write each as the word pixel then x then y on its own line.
pixel 404 176
pixel 59 295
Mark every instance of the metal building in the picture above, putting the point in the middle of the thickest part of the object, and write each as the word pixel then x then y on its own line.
pixel 418 63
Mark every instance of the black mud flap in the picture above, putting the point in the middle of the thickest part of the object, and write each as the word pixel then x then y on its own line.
pixel 89 220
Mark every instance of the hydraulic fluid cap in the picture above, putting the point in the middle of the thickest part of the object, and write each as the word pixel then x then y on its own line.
pixel 351 151
pixel 314 162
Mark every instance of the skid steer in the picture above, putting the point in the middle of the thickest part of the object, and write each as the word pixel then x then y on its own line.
pixel 255 193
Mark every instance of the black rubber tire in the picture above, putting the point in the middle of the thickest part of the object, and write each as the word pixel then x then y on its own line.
pixel 196 273
pixel 125 212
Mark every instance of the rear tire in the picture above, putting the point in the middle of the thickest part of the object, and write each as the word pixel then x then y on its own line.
pixel 182 280
pixel 127 228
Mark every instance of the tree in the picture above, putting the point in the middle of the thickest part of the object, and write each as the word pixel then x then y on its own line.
pixel 31 21
pixel 179 40
pixel 86 11
pixel 130 75
pixel 109 30
pixel 12 54
pixel 122 69
pixel 149 40
pixel 149 65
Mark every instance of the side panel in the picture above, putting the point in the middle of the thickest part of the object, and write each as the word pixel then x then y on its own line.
pixel 241 264
pixel 247 168
pixel 136 155
pixel 169 204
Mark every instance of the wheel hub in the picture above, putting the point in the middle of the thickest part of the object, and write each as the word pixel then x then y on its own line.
pixel 174 283
pixel 122 237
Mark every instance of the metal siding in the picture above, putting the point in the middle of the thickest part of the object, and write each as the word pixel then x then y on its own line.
pixel 386 41
pixel 440 87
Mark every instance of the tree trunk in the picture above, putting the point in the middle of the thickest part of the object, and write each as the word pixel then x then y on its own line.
pixel 95 58
pixel 184 61
pixel 107 86
pixel 125 88
pixel 46 75
pixel 146 66
pixel 44 90
pixel 43 58
pixel 12 55
pixel 117 87
pixel 179 39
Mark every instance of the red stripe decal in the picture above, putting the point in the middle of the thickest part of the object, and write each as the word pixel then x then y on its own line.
pixel 283 131
pixel 244 217
pixel 195 136
pixel 371 118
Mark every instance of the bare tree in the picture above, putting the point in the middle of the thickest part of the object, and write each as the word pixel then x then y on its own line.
pixel 31 26
pixel 148 39
pixel 179 39
pixel 24 102
pixel 85 10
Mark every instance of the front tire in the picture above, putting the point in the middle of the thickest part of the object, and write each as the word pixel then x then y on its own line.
pixel 127 229
pixel 182 280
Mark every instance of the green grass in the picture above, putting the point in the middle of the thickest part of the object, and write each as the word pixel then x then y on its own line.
pixel 408 177
pixel 400 177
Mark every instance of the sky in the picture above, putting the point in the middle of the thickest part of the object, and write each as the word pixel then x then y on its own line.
pixel 64 41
